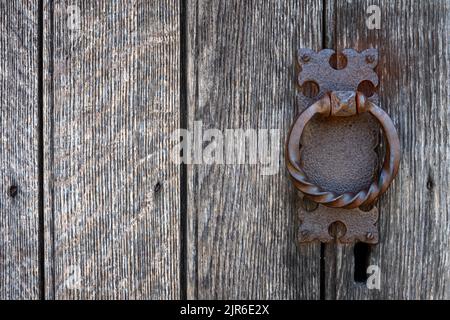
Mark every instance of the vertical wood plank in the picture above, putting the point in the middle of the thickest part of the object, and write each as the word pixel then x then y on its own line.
pixel 19 210
pixel 413 253
pixel 47 63
pixel 112 209
pixel 241 224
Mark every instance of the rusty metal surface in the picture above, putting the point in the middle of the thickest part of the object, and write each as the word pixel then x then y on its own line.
pixel 345 159
pixel 357 68
pixel 359 225
pixel 348 155
pixel 350 160
pixel 343 103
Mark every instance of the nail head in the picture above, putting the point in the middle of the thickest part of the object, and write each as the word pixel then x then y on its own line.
pixel 305 58
pixel 370 59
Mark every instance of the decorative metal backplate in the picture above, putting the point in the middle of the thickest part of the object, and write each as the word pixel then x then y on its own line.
pixel 320 145
pixel 316 66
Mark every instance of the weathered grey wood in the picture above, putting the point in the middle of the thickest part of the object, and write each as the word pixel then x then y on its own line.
pixel 112 101
pixel 241 74
pixel 19 215
pixel 413 254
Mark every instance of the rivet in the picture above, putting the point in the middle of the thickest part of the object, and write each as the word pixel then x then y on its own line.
pixel 369 235
pixel 305 58
pixel 370 59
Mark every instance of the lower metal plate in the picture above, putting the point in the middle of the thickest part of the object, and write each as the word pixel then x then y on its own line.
pixel 358 225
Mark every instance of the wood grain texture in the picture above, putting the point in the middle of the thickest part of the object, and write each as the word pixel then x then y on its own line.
pixel 19 215
pixel 112 195
pixel 112 101
pixel 414 249
pixel 241 225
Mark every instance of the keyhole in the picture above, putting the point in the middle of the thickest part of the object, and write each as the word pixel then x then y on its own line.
pixel 361 253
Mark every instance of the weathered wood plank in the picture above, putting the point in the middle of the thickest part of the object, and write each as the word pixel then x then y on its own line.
pixel 19 210
pixel 413 253
pixel 113 101
pixel 241 74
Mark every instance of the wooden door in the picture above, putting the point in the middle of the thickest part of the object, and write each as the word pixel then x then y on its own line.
pixel 92 206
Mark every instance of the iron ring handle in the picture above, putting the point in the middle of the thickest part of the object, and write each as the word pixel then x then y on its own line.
pixel 343 103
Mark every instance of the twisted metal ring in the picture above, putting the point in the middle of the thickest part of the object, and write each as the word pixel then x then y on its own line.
pixel 343 103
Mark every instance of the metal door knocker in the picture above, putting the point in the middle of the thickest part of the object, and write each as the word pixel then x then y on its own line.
pixel 360 225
